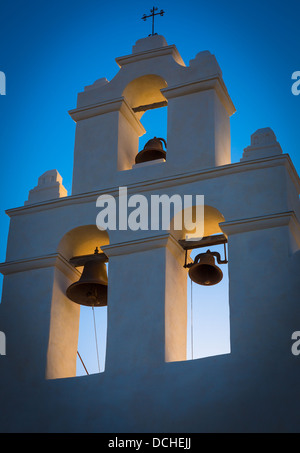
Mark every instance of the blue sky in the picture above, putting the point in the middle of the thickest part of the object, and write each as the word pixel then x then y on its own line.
pixel 51 50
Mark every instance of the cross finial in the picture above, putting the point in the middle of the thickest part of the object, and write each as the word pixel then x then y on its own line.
pixel 153 14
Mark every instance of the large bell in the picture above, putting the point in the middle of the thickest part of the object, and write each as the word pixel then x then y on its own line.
pixel 204 270
pixel 152 150
pixel 91 288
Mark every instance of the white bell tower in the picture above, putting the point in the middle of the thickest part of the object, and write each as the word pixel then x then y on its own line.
pixel 148 385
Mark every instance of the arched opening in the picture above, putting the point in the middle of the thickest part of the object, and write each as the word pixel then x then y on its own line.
pixel 87 325
pixel 208 216
pixel 82 241
pixel 149 105
pixel 208 317
pixel 208 314
pixel 144 93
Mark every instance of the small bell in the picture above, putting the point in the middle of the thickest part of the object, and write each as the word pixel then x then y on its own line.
pixel 91 288
pixel 152 150
pixel 204 270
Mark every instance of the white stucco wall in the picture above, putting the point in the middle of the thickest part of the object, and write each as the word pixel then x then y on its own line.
pixel 148 386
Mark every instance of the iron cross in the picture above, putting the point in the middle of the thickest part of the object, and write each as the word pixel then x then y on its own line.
pixel 153 14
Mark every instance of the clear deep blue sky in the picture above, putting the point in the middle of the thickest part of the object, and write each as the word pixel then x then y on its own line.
pixel 51 50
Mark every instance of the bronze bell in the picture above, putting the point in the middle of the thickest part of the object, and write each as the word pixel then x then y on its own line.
pixel 204 270
pixel 152 150
pixel 91 288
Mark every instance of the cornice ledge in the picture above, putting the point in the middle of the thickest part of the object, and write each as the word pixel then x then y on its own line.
pixel 112 105
pixel 208 83
pixel 181 178
pixel 141 245
pixel 152 53
pixel 40 262
pixel 260 223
